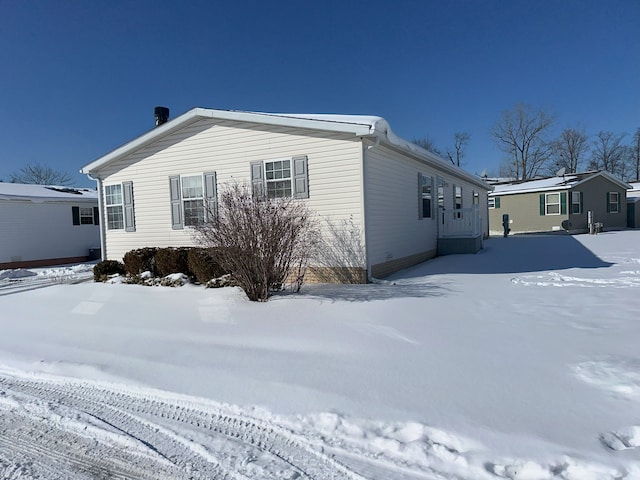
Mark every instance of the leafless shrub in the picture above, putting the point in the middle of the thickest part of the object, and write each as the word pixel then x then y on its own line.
pixel 340 253
pixel 261 241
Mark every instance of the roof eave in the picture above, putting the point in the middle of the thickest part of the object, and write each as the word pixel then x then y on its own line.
pixel 193 115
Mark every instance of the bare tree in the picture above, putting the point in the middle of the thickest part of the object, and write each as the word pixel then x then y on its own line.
pixel 609 154
pixel 569 149
pixel 36 173
pixel 522 133
pixel 635 154
pixel 340 253
pixel 262 241
pixel 460 142
pixel 427 144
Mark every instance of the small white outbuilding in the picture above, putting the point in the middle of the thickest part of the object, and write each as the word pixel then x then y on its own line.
pixel 47 225
pixel 406 203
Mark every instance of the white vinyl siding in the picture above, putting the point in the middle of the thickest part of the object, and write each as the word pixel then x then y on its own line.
pixel 43 230
pixel 229 148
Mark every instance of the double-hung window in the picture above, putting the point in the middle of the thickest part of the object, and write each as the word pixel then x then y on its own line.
pixel 576 202
pixel 426 197
pixel 281 178
pixel 457 200
pixel 115 207
pixel 613 202
pixel 119 205
pixel 86 215
pixel 278 178
pixel 193 198
pixel 552 204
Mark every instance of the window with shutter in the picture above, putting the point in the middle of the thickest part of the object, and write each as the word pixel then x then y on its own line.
pixel 281 178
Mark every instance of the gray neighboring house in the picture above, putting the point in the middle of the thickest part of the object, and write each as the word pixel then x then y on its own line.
pixel 559 203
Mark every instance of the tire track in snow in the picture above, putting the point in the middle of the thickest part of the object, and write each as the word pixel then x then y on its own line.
pixel 161 425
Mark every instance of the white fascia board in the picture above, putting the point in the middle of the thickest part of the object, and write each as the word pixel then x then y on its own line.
pixel 531 190
pixel 330 123
pixel 142 140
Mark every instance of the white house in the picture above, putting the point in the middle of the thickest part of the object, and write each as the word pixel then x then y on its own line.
pixel 47 225
pixel 407 203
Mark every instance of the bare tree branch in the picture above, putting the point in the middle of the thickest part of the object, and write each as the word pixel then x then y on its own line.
pixel 522 133
pixel 36 173
pixel 569 149
pixel 460 142
pixel 609 154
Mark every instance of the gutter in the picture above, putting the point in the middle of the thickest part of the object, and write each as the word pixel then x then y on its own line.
pixel 103 233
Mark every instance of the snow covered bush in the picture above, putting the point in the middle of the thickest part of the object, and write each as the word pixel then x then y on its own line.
pixel 263 242
pixel 102 270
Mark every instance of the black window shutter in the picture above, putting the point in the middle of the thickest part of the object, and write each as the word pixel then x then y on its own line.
pixel 75 213
pixel 96 216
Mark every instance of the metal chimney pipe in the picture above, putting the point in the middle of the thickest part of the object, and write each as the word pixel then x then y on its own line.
pixel 161 114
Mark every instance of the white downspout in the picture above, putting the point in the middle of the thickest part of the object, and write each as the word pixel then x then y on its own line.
pixel 103 242
pixel 364 207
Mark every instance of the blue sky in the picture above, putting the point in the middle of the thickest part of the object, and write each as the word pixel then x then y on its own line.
pixel 79 78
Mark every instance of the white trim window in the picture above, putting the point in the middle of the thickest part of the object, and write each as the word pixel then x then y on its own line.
pixel 576 203
pixel 613 202
pixel 552 203
pixel 86 215
pixel 119 205
pixel 281 178
pixel 115 206
pixel 426 196
pixel 193 198
pixel 277 176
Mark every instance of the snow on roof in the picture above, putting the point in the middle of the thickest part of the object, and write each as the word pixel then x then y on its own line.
pixel 564 182
pixel 358 125
pixel 46 193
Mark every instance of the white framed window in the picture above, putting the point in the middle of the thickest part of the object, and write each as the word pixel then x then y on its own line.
pixel 115 207
pixel 278 178
pixel 552 204
pixel 281 178
pixel 118 200
pixel 440 183
pixel 576 203
pixel 613 202
pixel 457 200
pixel 457 197
pixel 192 198
pixel 192 189
pixel 491 201
pixel 426 196
pixel 476 198
pixel 86 215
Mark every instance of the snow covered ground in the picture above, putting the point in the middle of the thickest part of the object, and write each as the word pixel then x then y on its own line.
pixel 520 362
